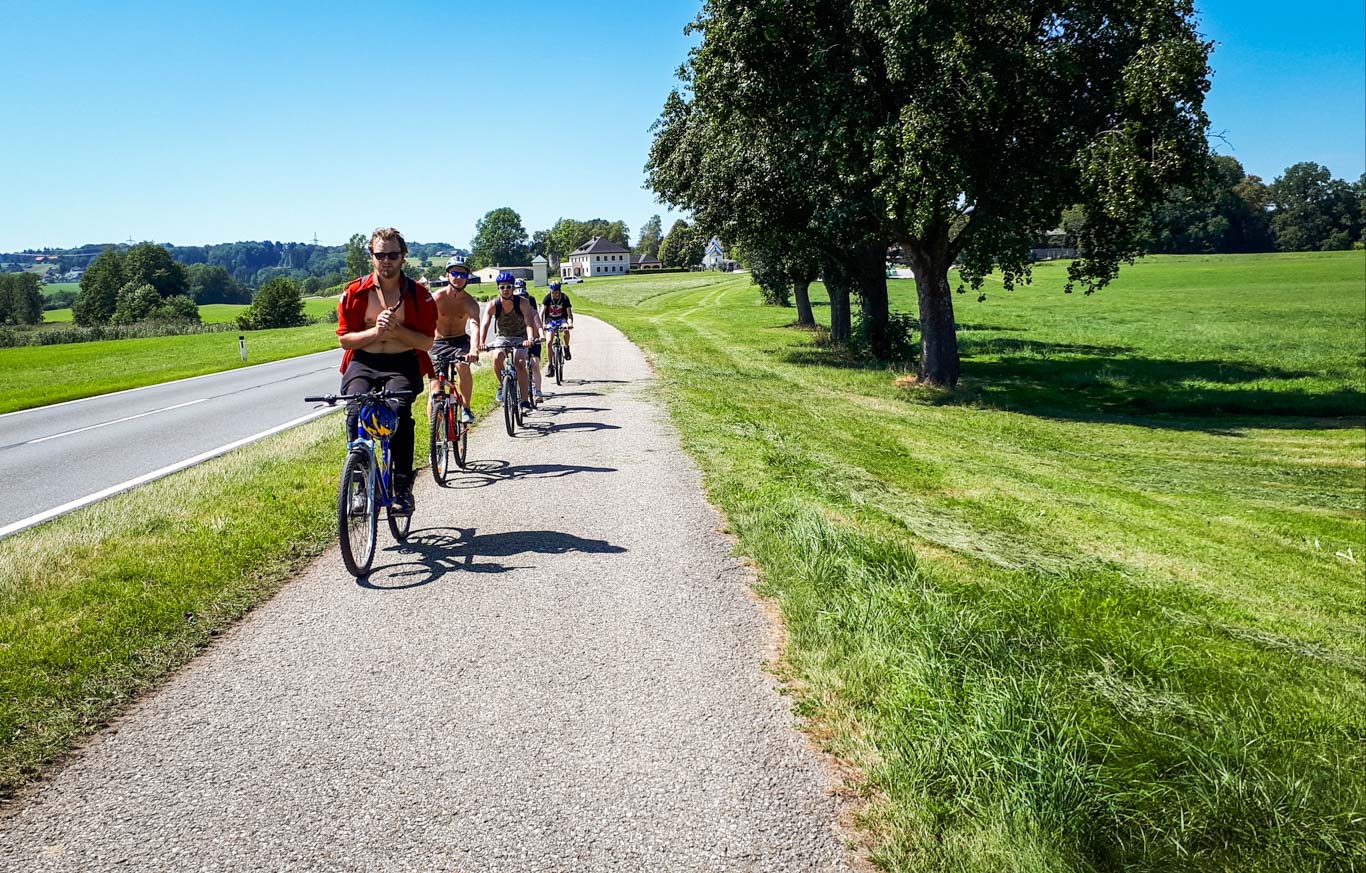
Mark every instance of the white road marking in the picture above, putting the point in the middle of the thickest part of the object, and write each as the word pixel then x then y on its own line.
pixel 49 514
pixel 115 421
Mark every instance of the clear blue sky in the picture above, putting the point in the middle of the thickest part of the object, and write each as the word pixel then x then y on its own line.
pixel 194 123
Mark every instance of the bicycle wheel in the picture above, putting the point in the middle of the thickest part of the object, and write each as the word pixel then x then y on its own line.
pixel 399 525
pixel 441 444
pixel 510 405
pixel 357 514
pixel 460 443
pixel 558 357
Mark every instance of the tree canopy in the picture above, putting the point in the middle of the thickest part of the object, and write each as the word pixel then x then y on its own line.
pixel 277 304
pixel 499 238
pixel 21 299
pixel 651 235
pixel 963 128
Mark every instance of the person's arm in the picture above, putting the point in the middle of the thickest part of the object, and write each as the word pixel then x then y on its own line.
pixel 352 336
pixel 485 322
pixel 534 322
pixel 472 331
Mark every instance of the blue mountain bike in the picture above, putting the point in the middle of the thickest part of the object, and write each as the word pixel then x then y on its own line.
pixel 366 480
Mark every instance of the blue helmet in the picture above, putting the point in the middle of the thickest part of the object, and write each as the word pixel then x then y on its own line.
pixel 554 286
pixel 504 278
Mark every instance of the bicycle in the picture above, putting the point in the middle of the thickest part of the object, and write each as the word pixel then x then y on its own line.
pixel 512 407
pixel 450 434
pixel 366 481
pixel 556 350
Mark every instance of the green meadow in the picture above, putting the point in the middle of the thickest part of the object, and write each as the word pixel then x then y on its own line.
pixel 1099 608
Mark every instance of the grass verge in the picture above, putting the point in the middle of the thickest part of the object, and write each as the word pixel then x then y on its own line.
pixel 100 605
pixel 1095 609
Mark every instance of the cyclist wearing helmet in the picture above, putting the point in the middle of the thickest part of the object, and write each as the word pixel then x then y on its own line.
pixel 534 352
pixel 556 309
pixel 457 326
pixel 386 322
pixel 514 324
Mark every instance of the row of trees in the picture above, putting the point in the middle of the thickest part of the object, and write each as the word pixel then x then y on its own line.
pixel 501 238
pixel 958 131
pixel 1304 209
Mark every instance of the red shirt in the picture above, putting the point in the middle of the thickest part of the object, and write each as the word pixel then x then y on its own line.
pixel 419 314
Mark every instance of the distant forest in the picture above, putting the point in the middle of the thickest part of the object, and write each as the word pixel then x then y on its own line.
pixel 251 264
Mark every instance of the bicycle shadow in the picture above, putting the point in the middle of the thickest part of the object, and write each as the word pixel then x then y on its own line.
pixel 432 552
pixel 481 474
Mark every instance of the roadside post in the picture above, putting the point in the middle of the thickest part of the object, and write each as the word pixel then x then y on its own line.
pixel 242 344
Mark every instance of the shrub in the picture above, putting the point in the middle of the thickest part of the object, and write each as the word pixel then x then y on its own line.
pixel 277 304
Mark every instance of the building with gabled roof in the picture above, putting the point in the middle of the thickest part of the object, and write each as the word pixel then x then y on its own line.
pixel 597 257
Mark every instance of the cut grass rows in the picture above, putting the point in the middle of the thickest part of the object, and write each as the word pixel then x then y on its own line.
pixel 1087 611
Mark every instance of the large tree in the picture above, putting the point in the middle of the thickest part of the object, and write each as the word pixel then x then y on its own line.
pixel 100 286
pixel 1313 210
pixel 651 235
pixel 277 304
pixel 21 299
pixel 974 124
pixel 151 264
pixel 499 238
pixel 683 246
pixel 357 258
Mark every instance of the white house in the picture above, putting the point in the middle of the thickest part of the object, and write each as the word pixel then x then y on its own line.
pixel 645 262
pixel 597 257
pixel 714 258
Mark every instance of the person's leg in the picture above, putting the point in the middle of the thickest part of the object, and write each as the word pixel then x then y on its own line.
pixel 466 383
pixel 498 370
pixel 409 378
pixel 357 379
pixel 522 384
pixel 565 334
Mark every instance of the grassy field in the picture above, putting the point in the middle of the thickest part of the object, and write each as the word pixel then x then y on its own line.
pixel 55 287
pixel 220 313
pixel 38 375
pixel 1101 607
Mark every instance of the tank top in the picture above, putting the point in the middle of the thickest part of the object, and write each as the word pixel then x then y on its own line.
pixel 509 325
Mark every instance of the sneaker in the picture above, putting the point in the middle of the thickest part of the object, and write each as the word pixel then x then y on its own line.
pixel 567 355
pixel 359 505
pixel 403 503
pixel 526 404
pixel 467 416
pixel 550 371
pixel 536 392
pixel 500 395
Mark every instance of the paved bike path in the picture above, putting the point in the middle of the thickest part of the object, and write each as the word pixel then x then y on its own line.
pixel 562 670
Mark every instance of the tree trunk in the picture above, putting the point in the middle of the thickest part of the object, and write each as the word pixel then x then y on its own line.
pixel 872 285
pixel 801 289
pixel 840 325
pixel 939 363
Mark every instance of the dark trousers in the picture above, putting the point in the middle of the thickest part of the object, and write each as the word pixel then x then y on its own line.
pixel 397 372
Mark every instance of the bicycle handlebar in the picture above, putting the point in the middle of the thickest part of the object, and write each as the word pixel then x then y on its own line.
pixel 375 394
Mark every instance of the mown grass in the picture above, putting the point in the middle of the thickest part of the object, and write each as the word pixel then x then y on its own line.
pixel 215 313
pixel 1095 609
pixel 102 604
pixel 39 375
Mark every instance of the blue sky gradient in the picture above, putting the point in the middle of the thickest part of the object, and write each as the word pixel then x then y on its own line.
pixel 196 123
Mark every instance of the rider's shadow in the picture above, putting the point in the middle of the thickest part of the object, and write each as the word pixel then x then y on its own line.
pixel 481 474
pixel 431 553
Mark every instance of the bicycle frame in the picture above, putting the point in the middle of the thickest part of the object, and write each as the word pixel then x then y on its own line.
pixel 383 489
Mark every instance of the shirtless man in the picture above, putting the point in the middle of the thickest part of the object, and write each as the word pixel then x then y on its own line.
pixel 457 327
pixel 512 320
pixel 385 324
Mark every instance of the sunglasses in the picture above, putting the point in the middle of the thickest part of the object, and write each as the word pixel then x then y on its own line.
pixel 387 256
pixel 504 287
pixel 459 274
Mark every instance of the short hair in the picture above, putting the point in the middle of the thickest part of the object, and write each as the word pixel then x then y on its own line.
pixel 388 234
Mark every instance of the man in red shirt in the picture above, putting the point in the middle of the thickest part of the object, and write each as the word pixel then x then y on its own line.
pixel 386 322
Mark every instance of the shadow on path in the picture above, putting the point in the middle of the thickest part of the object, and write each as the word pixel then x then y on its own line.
pixel 432 552
pixel 481 474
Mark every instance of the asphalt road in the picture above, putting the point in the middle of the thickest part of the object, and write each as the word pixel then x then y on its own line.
pixel 561 670
pixel 54 457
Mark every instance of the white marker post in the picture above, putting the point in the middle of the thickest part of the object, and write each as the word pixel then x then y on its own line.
pixel 242 344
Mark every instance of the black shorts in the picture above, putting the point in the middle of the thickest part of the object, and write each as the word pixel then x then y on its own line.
pixel 444 346
pixel 535 349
